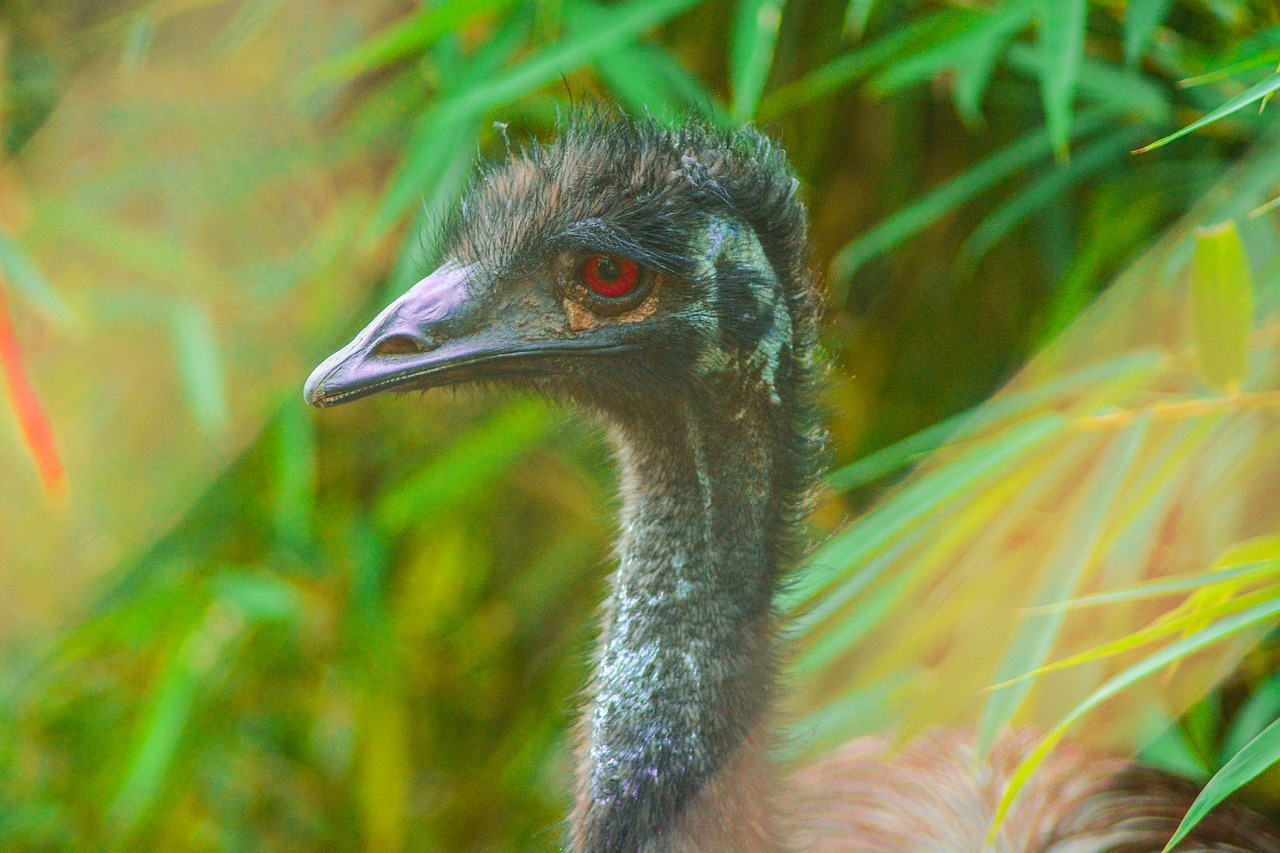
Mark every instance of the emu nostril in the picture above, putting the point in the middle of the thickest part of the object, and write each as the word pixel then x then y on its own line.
pixel 395 345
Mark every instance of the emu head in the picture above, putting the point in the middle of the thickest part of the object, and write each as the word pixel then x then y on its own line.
pixel 625 266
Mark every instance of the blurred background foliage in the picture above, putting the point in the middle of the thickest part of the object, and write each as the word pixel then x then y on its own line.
pixel 230 623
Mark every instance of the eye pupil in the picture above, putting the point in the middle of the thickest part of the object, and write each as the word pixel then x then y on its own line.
pixel 607 269
pixel 610 276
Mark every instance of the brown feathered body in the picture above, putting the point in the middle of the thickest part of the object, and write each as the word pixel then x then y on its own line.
pixel 660 279
pixel 939 794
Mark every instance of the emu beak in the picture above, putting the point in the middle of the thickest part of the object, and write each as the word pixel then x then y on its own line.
pixel 415 339
pixel 441 333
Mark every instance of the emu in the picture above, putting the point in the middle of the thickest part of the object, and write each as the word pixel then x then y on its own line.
pixel 660 279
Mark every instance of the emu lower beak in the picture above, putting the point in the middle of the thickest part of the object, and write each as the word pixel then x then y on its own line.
pixel 439 333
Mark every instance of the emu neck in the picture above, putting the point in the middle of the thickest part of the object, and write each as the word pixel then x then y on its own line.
pixel 676 751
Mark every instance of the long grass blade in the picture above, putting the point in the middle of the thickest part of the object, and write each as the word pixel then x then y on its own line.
pixel 855 65
pixel 913 504
pixel 755 35
pixel 1118 371
pixel 1154 663
pixel 1036 633
pixel 1247 98
pixel 999 25
pixel 1246 765
pixel 409 37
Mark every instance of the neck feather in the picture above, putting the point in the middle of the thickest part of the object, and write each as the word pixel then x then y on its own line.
pixel 676 746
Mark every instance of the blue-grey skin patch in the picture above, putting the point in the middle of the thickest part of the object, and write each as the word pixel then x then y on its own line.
pixel 751 315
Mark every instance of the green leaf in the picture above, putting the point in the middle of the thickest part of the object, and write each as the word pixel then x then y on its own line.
pixel 921 213
pixel 1101 84
pixel 974 72
pixel 33 286
pixel 856 64
pixel 1148 666
pixel 1257 712
pixel 856 15
pixel 259 598
pixel 1222 305
pixel 155 747
pixel 623 23
pixel 1141 19
pixel 1000 24
pixel 443 131
pixel 1251 96
pixel 1047 189
pixel 442 148
pixel 1037 632
pixel 755 34
pixel 464 468
pixel 1245 571
pixel 408 37
pixel 200 367
pixel 1061 47
pixel 1256 756
pixel 295 459
pixel 646 77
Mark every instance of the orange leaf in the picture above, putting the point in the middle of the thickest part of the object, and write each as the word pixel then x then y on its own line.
pixel 33 423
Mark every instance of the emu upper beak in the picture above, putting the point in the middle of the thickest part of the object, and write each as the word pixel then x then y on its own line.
pixel 439 333
pixel 404 344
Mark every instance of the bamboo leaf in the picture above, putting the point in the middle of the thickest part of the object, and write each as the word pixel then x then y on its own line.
pixel 974 72
pixel 168 709
pixel 1257 712
pixel 409 37
pixel 856 64
pixel 856 16
pixel 1256 756
pixel 755 34
pixel 1047 189
pixel 1036 633
pixel 1101 84
pixel 1141 19
pixel 1117 371
pixel 1247 98
pixel 440 133
pixel 880 527
pixel 918 215
pixel 1244 571
pixel 624 22
pixel 465 467
pixel 1061 48
pixel 33 287
pixel 33 421
pixel 295 458
pixel 1222 306
pixel 441 139
pixel 1156 662
pixel 998 25
pixel 199 358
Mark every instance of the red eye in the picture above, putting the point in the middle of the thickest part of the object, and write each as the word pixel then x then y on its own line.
pixel 610 276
